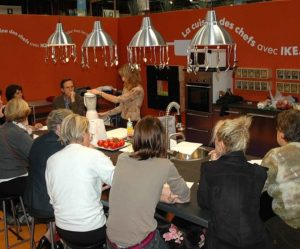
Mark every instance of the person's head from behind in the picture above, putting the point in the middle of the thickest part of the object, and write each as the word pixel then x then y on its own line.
pixel 55 119
pixel 130 77
pixel 13 91
pixel 75 129
pixel 17 110
pixel 149 139
pixel 288 127
pixel 67 86
pixel 231 135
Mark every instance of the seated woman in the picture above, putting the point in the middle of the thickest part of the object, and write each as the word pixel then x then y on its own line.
pixel 283 182
pixel 74 179
pixel 15 144
pixel 230 189
pixel 16 91
pixel 137 186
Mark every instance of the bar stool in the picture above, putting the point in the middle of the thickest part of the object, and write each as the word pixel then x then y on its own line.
pixel 43 220
pixel 99 245
pixel 17 230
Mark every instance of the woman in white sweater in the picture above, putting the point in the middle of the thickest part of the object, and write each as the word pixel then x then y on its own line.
pixel 74 178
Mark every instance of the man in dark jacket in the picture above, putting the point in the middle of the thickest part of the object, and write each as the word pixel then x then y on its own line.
pixel 69 99
pixel 36 197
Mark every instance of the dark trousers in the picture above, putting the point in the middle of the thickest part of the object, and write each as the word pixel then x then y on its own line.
pixel 83 238
pixel 14 187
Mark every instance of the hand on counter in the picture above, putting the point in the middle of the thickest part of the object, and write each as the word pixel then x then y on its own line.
pixel 167 196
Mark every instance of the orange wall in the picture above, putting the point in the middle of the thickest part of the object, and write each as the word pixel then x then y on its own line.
pixel 271 25
pixel 23 59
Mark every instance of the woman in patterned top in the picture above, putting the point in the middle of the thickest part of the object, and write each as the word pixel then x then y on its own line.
pixel 283 182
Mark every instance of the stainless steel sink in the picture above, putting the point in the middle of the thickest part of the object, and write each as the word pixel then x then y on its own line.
pixel 198 154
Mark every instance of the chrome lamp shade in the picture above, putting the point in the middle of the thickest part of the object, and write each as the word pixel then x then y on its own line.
pixel 60 46
pixel 147 42
pixel 99 40
pixel 211 36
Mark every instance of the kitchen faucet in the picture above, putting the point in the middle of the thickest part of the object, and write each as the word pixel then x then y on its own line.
pixel 171 105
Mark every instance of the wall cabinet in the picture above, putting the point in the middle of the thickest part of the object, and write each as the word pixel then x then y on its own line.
pixel 199 127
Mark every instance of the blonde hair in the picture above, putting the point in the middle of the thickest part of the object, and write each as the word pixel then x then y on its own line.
pixel 73 129
pixel 133 76
pixel 17 110
pixel 234 133
pixel 56 117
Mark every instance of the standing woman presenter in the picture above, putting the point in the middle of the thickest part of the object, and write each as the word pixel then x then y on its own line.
pixel 131 99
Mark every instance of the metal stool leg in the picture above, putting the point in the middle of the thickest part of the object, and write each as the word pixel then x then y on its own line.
pixel 32 244
pixel 24 211
pixel 51 234
pixel 14 213
pixel 5 224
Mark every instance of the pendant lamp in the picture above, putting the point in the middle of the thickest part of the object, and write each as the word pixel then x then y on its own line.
pixel 147 45
pixel 100 43
pixel 60 46
pixel 211 37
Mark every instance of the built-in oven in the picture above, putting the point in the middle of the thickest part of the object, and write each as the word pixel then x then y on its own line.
pixel 198 92
pixel 198 97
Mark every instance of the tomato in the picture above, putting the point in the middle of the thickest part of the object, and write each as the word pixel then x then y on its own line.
pixel 122 142
pixel 100 142
pixel 114 145
pixel 105 144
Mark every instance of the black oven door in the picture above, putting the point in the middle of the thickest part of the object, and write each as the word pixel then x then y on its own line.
pixel 198 97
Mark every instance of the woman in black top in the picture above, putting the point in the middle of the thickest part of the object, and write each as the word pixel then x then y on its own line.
pixel 230 189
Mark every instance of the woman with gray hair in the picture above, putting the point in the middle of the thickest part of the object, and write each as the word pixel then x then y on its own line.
pixel 230 189
pixel 74 178
pixel 15 144
pixel 36 197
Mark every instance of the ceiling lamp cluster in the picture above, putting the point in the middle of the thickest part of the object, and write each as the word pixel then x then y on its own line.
pixel 147 45
pixel 210 37
pixel 60 47
pixel 100 43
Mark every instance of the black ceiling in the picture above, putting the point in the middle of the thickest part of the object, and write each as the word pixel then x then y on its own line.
pixel 67 7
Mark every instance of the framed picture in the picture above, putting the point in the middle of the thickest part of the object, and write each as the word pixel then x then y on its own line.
pixel 264 86
pixel 280 74
pixel 294 88
pixel 250 85
pixel 264 74
pixel 257 85
pixel 238 84
pixel 251 73
pixel 287 74
pixel 257 73
pixel 287 87
pixel 295 75
pixel 244 73
pixel 279 86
